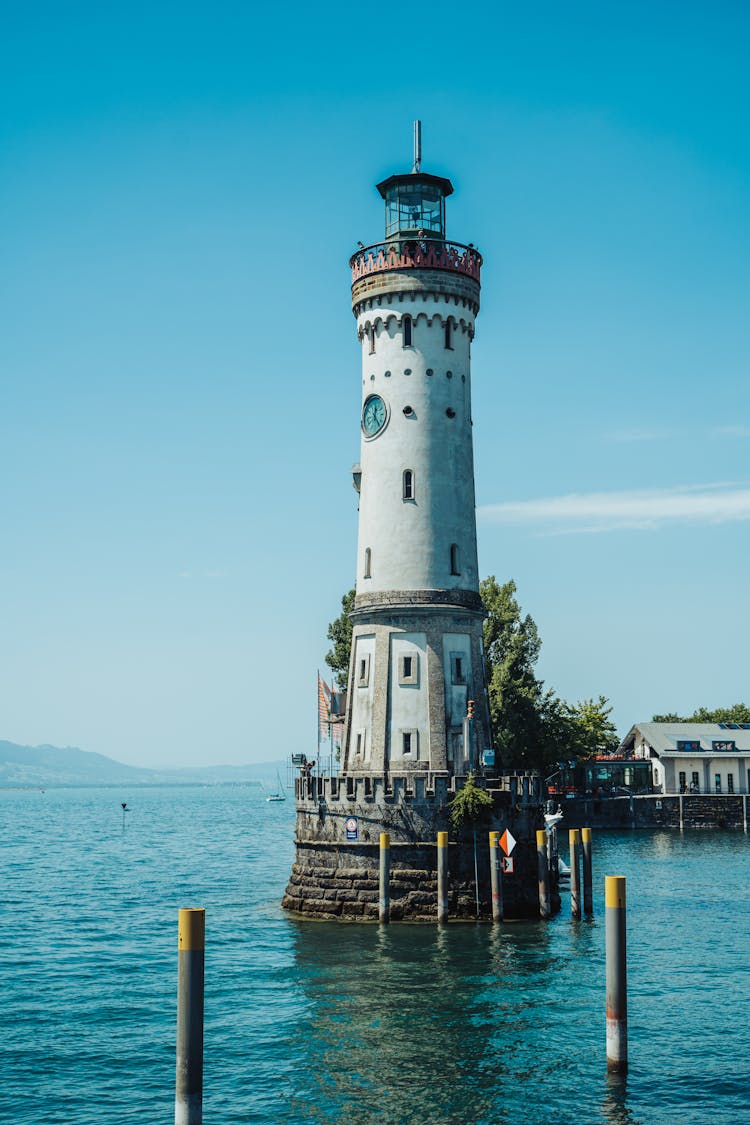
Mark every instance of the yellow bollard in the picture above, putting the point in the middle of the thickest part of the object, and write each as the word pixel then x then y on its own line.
pixel 442 877
pixel 617 981
pixel 543 871
pixel 588 885
pixel 574 838
pixel 191 944
pixel 384 909
pixel 496 877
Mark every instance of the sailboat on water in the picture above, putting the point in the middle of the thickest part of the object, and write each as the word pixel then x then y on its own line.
pixel 279 795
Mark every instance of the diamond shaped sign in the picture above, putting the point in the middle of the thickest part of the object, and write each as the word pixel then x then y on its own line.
pixel 507 841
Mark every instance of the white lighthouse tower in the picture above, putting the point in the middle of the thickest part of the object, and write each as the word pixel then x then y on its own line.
pixel 417 696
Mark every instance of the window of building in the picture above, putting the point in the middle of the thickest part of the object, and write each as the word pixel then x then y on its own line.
pixel 458 668
pixel 695 784
pixel 408 411
pixel 368 563
pixel 725 745
pixel 363 671
pixel 717 782
pixel 409 743
pixel 455 569
pixel 360 741
pixel 450 412
pixel 408 670
pixel 730 783
pixel 690 747
pixel 448 327
pixel 683 781
pixel 406 325
pixel 408 491
pixel 371 338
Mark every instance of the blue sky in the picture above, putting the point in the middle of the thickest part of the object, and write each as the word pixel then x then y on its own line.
pixel 181 188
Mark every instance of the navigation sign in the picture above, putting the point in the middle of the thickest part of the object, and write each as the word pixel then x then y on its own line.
pixel 508 865
pixel 507 841
pixel 352 828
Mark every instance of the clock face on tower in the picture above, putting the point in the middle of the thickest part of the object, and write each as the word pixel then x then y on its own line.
pixel 374 416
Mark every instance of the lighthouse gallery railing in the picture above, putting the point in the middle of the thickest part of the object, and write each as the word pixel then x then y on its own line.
pixel 416 253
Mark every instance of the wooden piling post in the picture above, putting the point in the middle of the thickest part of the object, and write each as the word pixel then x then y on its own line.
pixel 442 877
pixel 191 944
pixel 542 861
pixel 496 877
pixel 617 985
pixel 574 837
pixel 588 886
pixel 384 909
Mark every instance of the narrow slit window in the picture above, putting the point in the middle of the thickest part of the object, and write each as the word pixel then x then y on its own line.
pixel 448 335
pixel 406 322
pixel 454 559
pixel 407 742
pixel 371 338
pixel 368 563
pixel 408 492
pixel 407 667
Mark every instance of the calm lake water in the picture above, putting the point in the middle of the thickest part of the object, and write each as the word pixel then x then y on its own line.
pixel 314 1022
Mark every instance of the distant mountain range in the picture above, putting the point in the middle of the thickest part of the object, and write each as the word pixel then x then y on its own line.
pixel 48 766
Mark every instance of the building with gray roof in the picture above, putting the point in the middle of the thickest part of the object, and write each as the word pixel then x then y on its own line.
pixel 693 757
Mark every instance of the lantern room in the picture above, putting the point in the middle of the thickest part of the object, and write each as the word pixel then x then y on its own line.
pixel 415 205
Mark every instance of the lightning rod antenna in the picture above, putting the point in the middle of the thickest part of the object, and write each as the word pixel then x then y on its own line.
pixel 417 146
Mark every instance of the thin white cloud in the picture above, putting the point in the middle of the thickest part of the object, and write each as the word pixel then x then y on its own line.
pixel 624 436
pixel 643 509
pixel 731 431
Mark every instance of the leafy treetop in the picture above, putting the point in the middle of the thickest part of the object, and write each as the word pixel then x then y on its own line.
pixel 738 713
pixel 340 632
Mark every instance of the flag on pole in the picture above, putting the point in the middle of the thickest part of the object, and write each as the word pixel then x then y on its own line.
pixel 324 707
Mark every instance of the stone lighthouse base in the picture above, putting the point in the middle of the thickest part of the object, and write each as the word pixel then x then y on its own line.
pixel 335 877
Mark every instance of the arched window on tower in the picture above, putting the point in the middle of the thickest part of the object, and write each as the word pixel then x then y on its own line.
pixel 408 489
pixel 448 335
pixel 406 325
pixel 454 559
pixel 368 563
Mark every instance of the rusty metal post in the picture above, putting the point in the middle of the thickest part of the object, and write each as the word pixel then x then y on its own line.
pixel 543 872
pixel 574 837
pixel 496 877
pixel 384 907
pixel 617 983
pixel 442 877
pixel 588 885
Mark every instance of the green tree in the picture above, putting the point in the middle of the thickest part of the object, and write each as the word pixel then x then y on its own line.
pixel 340 632
pixel 470 803
pixel 516 696
pixel 531 726
pixel 737 713
pixel 592 729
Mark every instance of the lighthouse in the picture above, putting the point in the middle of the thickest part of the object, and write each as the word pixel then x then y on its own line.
pixel 417 661
pixel 417 717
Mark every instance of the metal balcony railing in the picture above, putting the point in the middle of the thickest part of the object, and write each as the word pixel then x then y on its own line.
pixel 416 253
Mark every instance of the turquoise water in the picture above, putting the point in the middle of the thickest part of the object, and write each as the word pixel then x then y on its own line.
pixel 312 1022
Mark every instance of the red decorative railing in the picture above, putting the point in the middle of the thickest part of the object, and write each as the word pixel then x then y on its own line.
pixel 416 253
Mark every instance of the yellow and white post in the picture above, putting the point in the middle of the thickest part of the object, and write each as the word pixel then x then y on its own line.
pixel 191 944
pixel 617 981
pixel 384 908
pixel 442 877
pixel 588 884
pixel 496 877
pixel 574 839
pixel 542 862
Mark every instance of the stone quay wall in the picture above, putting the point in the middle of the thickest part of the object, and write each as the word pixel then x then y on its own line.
pixel 655 810
pixel 335 877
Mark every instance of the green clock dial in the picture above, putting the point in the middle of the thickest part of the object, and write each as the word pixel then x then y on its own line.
pixel 374 415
